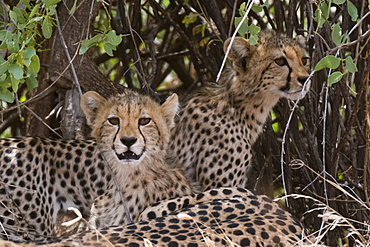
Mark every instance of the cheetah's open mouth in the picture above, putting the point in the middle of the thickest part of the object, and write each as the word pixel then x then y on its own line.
pixel 128 155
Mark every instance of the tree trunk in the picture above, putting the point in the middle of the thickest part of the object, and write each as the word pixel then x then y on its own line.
pixel 65 69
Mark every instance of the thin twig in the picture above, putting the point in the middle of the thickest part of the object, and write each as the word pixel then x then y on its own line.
pixel 208 20
pixel 232 18
pixel 76 82
pixel 131 30
pixel 248 8
pixel 326 86
pixel 346 45
pixel 42 121
pixel 286 131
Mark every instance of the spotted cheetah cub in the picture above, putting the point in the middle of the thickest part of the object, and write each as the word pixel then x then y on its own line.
pixel 40 177
pixel 219 123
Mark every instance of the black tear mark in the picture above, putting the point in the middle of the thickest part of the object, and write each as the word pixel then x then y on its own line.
pixel 244 63
pixel 288 79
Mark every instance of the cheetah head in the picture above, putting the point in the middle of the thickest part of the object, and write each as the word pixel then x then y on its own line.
pixel 130 127
pixel 277 65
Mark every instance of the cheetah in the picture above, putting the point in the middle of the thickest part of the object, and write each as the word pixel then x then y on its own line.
pixel 40 178
pixel 220 122
pixel 218 217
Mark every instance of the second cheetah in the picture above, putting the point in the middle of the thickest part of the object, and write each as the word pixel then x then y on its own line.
pixel 219 123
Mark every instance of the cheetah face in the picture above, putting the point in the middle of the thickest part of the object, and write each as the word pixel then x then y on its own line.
pixel 128 130
pixel 276 65
pixel 130 127
pixel 286 75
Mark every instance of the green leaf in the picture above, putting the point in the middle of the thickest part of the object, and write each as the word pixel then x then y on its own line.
pixel 16 71
pixel 34 10
pixel 190 18
pixel 73 9
pixel 35 19
pixel 335 34
pixel 350 65
pixel 93 41
pixel 113 38
pixel 339 1
pixel 31 82
pixel 15 83
pixel 6 96
pixel 352 11
pixel 83 50
pixel 253 39
pixel 86 44
pixel 244 28
pixel 35 64
pixel 12 43
pixel 319 18
pixel 334 77
pixel 199 29
pixel 47 28
pixel 242 9
pixel 20 15
pixel 3 79
pixel 253 29
pixel 204 41
pixel 3 68
pixel 330 62
pixel 27 55
pixel 259 8
pixel 325 10
pixel 49 3
pixel 13 17
pixel 52 10
pixel 3 34
pixel 109 48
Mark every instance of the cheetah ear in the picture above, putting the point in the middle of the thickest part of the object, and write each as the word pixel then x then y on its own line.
pixel 240 48
pixel 170 108
pixel 301 41
pixel 90 103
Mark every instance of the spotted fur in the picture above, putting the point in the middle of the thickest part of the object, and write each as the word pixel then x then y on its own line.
pixel 218 217
pixel 41 177
pixel 220 122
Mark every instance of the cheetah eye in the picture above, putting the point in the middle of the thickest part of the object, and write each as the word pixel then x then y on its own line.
pixel 305 60
pixel 281 61
pixel 113 120
pixel 144 121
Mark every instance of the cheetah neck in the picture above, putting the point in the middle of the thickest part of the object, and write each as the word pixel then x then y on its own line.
pixel 255 113
pixel 248 104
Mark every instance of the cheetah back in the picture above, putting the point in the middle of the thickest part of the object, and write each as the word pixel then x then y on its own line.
pixel 41 177
pixel 221 216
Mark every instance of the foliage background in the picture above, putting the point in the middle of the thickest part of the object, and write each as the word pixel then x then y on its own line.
pixel 164 46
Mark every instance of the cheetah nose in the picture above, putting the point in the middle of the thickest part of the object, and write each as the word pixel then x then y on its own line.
pixel 128 140
pixel 302 79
